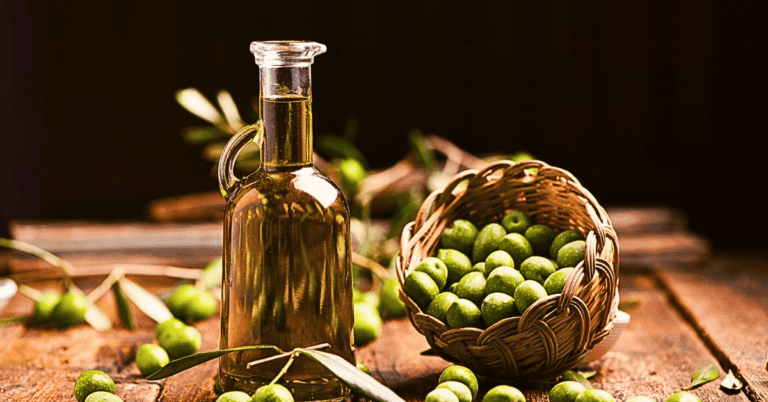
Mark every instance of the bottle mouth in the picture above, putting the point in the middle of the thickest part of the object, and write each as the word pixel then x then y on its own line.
pixel 286 53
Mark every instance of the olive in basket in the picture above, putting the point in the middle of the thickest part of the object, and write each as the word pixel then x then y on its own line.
pixel 562 239
pixel 498 258
pixel 487 241
pixel 497 249
pixel 537 268
pixel 459 235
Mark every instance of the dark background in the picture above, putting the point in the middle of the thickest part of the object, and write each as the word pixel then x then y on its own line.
pixel 646 102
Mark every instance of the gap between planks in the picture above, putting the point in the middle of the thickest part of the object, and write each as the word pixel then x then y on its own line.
pixel 689 316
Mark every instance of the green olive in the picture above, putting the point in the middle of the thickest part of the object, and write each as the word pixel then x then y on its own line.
pixel 272 393
pixel 44 307
pixel 151 358
pixel 70 310
pixel 202 306
pixel 180 342
pixel 90 381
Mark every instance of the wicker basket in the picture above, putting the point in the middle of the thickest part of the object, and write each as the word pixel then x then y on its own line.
pixel 555 333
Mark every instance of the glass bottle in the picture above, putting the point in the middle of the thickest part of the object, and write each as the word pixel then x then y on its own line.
pixel 287 279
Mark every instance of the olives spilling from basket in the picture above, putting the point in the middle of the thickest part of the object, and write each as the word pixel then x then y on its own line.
pixel 480 277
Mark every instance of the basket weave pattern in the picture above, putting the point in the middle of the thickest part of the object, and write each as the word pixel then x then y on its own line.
pixel 555 333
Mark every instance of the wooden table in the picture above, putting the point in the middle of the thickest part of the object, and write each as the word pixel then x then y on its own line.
pixel 689 314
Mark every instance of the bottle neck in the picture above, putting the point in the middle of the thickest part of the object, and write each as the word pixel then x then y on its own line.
pixel 285 107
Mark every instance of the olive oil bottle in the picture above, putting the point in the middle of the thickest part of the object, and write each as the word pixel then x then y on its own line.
pixel 287 279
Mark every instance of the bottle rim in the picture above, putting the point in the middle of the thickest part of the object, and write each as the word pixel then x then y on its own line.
pixel 286 53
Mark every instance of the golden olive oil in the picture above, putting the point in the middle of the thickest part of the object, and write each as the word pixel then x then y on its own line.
pixel 287 284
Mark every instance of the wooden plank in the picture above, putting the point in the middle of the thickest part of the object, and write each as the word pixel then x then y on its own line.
pixel 195 244
pixel 632 220
pixel 189 207
pixel 80 236
pixel 657 353
pixel 30 269
pixel 727 302
pixel 649 249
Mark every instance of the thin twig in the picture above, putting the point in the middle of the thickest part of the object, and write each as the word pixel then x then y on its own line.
pixel 377 182
pixel 46 256
pixel 32 293
pixel 104 286
pixel 139 269
pixel 455 153
pixel 376 269
pixel 285 368
pixel 16 319
pixel 379 273
pixel 282 355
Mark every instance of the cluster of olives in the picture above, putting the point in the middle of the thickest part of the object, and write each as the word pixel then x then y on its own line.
pixel 175 339
pixel 98 386
pixel 572 391
pixel 265 393
pixel 64 311
pixel 95 386
pixel 189 303
pixel 459 384
pixel 513 264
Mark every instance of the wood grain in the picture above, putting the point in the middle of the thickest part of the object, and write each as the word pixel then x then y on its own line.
pixel 726 301
pixel 656 355
pixel 394 359
pixel 654 248
pixel 196 244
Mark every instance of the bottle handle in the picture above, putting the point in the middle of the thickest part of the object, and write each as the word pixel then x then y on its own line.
pixel 226 170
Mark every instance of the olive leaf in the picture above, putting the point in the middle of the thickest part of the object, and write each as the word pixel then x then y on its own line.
pixel 730 382
pixel 97 319
pixel 229 109
pixel 704 375
pixel 12 320
pixel 202 135
pixel 628 305
pixel 46 256
pixel 187 362
pixel 571 375
pixel 148 303
pixel 426 154
pixel 407 208
pixel 192 100
pixel 123 308
pixel 361 383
